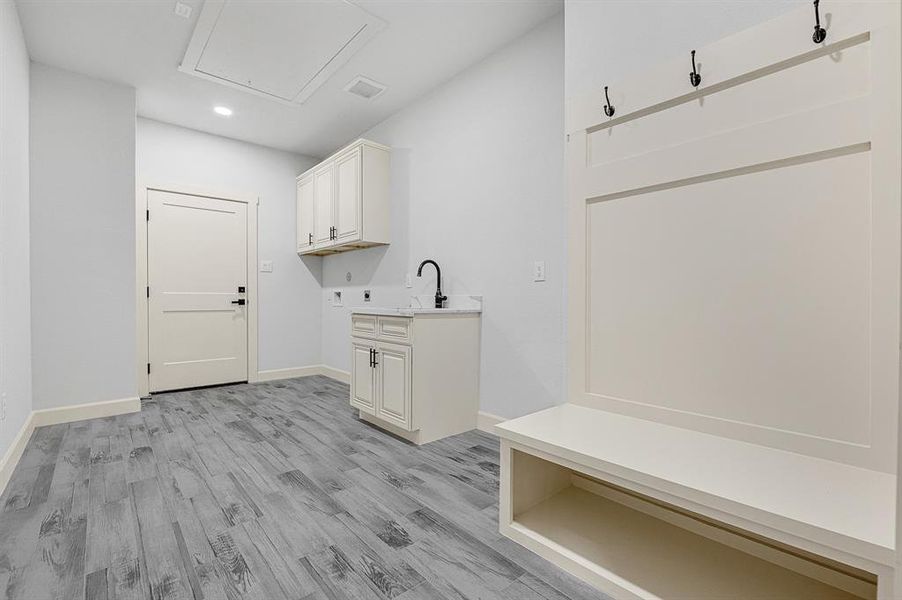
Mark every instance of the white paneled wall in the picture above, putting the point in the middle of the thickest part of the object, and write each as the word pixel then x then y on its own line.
pixel 477 185
pixel 614 39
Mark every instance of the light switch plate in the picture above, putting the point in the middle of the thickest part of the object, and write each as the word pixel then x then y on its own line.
pixel 266 266
pixel 183 10
pixel 538 271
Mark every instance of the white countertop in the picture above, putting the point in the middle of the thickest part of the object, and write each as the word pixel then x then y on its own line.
pixel 424 305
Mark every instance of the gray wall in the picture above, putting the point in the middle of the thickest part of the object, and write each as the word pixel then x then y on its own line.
pixel 477 185
pixel 289 316
pixel 82 238
pixel 15 322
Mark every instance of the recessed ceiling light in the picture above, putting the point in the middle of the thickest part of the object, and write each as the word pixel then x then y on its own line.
pixel 225 111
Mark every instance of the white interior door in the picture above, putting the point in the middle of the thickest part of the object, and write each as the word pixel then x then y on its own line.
pixel 197 275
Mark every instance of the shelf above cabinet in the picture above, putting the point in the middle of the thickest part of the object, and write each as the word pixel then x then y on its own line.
pixel 343 203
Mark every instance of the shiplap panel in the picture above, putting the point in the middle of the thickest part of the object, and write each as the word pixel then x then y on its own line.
pixel 744 299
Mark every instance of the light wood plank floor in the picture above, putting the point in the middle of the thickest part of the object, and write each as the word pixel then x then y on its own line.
pixel 271 491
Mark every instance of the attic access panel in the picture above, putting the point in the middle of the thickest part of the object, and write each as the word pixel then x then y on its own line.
pixel 281 50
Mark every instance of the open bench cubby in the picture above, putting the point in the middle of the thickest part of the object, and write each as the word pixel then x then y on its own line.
pixel 634 546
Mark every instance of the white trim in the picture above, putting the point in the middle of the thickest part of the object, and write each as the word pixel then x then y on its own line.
pixel 336 374
pixel 54 416
pixel 253 201
pixel 290 373
pixel 486 422
pixel 14 453
pixel 90 410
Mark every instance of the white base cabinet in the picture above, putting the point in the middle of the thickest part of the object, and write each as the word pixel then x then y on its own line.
pixel 343 202
pixel 416 376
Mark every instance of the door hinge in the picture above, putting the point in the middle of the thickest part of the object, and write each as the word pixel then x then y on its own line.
pixel 148 214
pixel 148 368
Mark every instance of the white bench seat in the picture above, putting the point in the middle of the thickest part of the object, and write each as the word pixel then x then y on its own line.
pixel 829 508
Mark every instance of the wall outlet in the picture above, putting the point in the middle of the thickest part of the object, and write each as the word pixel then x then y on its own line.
pixel 407 282
pixel 366 295
pixel 266 266
pixel 3 406
pixel 538 271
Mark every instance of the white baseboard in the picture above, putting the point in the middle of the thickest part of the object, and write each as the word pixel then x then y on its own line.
pixel 80 412
pixel 487 421
pixel 16 449
pixel 336 374
pixel 53 416
pixel 291 373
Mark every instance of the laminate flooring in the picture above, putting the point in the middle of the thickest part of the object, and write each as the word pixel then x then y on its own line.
pixel 271 491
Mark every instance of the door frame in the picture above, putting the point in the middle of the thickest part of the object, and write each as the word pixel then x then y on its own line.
pixel 141 304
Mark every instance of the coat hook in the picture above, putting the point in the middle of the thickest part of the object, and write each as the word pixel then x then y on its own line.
pixel 694 77
pixel 608 108
pixel 820 34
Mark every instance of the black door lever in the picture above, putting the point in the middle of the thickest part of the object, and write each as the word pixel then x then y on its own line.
pixel 241 302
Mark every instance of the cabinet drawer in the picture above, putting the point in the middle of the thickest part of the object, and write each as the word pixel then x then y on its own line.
pixel 363 325
pixel 394 329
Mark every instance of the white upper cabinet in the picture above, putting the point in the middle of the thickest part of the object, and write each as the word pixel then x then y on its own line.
pixel 305 213
pixel 323 193
pixel 347 196
pixel 343 202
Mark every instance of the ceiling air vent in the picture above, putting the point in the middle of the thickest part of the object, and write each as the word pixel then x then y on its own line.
pixel 364 87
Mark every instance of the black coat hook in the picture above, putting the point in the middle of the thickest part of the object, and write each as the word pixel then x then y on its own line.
pixel 608 108
pixel 694 77
pixel 820 34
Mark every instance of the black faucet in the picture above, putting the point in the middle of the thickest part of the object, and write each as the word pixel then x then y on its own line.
pixel 439 299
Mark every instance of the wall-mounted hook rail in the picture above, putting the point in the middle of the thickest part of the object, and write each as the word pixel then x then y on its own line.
pixel 608 108
pixel 820 34
pixel 694 77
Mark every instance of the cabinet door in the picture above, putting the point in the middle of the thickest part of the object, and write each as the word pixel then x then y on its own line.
pixel 363 376
pixel 305 213
pixel 347 196
pixel 324 191
pixel 393 383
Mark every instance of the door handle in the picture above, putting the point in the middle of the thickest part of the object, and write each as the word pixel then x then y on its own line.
pixel 240 302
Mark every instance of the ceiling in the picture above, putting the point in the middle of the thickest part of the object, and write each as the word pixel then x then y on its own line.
pixel 142 42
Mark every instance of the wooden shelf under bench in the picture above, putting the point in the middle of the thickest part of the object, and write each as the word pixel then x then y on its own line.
pixel 645 510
